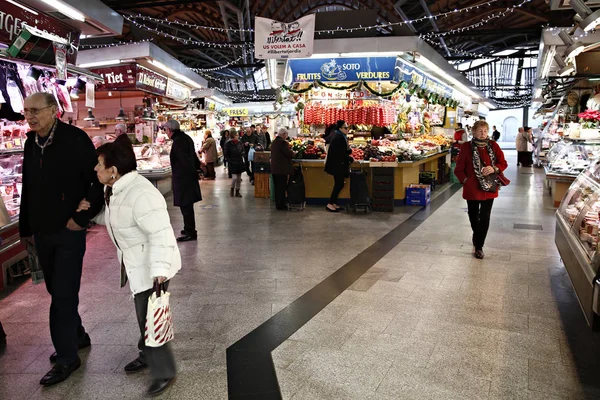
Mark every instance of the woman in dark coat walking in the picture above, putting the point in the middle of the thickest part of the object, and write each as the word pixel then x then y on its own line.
pixel 186 188
pixel 476 160
pixel 234 152
pixel 338 163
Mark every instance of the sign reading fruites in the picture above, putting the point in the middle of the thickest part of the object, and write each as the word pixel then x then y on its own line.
pixel 236 112
pixel 351 69
pixel 274 39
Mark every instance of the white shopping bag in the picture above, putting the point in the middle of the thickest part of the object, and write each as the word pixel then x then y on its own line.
pixel 159 320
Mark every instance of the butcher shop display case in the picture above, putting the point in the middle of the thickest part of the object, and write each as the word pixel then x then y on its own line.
pixel 572 158
pixel 153 162
pixel 577 238
pixel 11 249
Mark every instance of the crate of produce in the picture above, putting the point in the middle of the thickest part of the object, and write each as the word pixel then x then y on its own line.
pixel 418 195
pixel 261 186
pixel 262 157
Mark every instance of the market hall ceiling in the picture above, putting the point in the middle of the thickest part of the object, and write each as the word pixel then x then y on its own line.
pixel 483 27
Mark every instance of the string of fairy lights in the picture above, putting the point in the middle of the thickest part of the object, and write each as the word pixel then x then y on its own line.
pixel 188 25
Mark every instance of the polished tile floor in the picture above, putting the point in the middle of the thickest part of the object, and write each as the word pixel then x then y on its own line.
pixel 426 321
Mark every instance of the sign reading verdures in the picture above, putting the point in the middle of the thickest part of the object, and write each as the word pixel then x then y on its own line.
pixel 274 39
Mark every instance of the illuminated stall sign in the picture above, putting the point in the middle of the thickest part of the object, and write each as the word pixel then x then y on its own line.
pixel 117 78
pixel 343 69
pixel 236 112
pixel 177 91
pixel 407 72
pixel 12 19
pixel 150 81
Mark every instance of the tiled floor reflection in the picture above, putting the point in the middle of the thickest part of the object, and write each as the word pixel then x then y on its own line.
pixel 250 262
pixel 429 321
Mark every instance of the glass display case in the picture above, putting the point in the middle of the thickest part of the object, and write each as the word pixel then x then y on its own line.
pixel 153 158
pixel 11 168
pixel 572 158
pixel 577 236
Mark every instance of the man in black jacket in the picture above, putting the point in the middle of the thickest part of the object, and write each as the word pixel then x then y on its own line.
pixel 186 189
pixel 248 141
pixel 58 172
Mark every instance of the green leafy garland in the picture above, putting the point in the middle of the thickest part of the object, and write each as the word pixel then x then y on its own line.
pixel 413 90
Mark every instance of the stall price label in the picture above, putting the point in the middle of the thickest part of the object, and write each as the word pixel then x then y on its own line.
pixel 236 112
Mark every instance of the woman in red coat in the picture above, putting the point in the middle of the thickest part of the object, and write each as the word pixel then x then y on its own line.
pixel 478 159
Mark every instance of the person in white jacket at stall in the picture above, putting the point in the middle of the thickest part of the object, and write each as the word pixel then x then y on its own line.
pixel 136 217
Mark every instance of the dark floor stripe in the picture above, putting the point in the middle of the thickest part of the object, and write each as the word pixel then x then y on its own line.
pixel 250 370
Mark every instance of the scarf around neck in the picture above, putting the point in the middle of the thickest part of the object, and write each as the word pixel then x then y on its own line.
pixel 485 184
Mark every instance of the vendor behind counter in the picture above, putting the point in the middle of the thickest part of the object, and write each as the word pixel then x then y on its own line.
pixel 379 132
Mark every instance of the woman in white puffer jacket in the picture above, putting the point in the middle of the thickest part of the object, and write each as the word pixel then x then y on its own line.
pixel 136 217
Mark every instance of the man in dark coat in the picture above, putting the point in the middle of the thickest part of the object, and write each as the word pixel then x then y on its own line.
pixel 248 141
pixel 58 172
pixel 281 166
pixel 338 163
pixel 186 188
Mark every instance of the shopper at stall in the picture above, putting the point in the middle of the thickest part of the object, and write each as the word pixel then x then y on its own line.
pixel 477 160
pixel 138 223
pixel 524 144
pixel 209 149
pixel 281 166
pixel 234 152
pixel 338 163
pixel 495 134
pixel 460 136
pixel 121 132
pixel 329 133
pixel 264 130
pixel 224 138
pixel 249 141
pixel 58 171
pixel 186 188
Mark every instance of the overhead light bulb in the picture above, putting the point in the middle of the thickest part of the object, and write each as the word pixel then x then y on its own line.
pixel 588 19
pixel 573 48
pixel 90 116
pixel 564 68
pixel 66 9
pixel 22 6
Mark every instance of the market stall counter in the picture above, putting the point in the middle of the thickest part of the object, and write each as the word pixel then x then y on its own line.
pixel 319 185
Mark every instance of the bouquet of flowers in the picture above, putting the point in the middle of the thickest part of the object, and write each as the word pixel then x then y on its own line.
pixel 589 119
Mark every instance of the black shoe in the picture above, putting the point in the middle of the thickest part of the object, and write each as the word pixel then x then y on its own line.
pixel 479 254
pixel 135 366
pixel 158 386
pixel 330 210
pixel 186 238
pixel 59 373
pixel 85 343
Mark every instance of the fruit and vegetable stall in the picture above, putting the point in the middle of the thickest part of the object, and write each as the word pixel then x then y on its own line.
pixel 407 157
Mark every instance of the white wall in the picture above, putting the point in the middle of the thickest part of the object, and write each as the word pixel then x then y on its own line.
pixel 500 117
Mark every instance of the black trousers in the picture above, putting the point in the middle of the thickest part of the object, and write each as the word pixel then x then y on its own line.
pixel 280 182
pixel 61 257
pixel 189 220
pixel 210 170
pixel 479 216
pixel 525 158
pixel 160 360
pixel 338 185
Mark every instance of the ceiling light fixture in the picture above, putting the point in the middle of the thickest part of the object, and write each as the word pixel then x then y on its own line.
pixel 564 69
pixel 22 6
pixel 174 73
pixel 66 9
pixel 90 116
pixel 589 19
pixel 77 88
pixel 99 63
pixel 121 116
pixel 573 48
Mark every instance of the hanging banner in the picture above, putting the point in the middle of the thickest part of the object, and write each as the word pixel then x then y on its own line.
pixel 407 72
pixel 274 39
pixel 90 97
pixel 343 69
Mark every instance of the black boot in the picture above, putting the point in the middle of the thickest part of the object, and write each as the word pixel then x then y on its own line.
pixel 231 192
pixel 237 193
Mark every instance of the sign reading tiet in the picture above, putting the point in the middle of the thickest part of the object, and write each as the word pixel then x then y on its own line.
pixel 274 39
